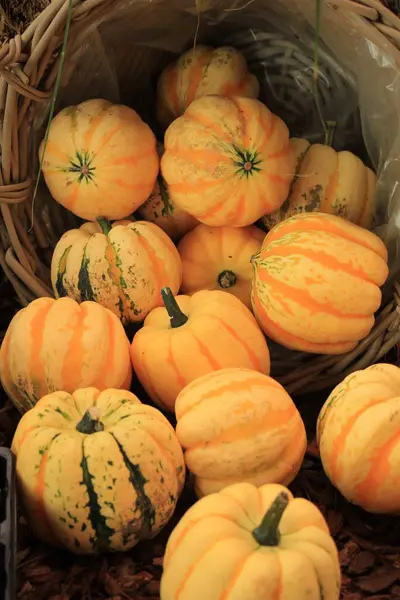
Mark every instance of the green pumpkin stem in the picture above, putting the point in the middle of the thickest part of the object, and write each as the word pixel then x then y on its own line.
pixel 267 533
pixel 90 422
pixel 176 316
pixel 105 225
pixel 226 279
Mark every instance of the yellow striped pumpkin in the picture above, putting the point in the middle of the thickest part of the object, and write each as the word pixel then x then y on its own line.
pixel 123 268
pixel 228 161
pixel 202 71
pixel 56 345
pixel 97 471
pixel 316 283
pixel 237 425
pixel 192 336
pixel 327 181
pixel 358 437
pixel 100 160
pixel 218 258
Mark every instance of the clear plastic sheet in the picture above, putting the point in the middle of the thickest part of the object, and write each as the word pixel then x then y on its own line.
pixel 358 85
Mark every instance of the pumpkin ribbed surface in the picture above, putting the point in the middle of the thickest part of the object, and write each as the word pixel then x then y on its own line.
pixel 212 553
pixel 316 283
pixel 239 425
pixel 100 160
pixel 123 269
pixel 123 476
pixel 218 258
pixel 228 161
pixel 358 437
pixel 60 345
pixel 202 71
pixel 216 331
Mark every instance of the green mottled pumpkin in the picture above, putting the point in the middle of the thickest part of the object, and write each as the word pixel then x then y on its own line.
pixel 97 471
pixel 122 267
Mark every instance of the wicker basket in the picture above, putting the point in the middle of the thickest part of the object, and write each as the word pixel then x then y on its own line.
pixel 28 71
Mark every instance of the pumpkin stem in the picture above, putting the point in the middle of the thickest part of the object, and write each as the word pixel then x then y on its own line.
pixel 176 316
pixel 90 422
pixel 226 279
pixel 105 225
pixel 267 533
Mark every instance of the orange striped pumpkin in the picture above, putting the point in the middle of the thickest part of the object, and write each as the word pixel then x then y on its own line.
pixel 251 543
pixel 228 161
pixel 192 336
pixel 218 258
pixel 239 425
pixel 123 268
pixel 358 437
pixel 100 160
pixel 56 345
pixel 316 283
pixel 202 71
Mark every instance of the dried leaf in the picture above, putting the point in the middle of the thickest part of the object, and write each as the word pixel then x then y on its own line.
pixel 361 563
pixel 379 580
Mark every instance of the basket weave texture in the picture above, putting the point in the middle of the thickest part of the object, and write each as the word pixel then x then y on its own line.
pixel 28 70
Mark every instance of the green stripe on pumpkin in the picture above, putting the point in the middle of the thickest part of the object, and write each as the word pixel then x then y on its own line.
pixel 61 269
pixel 143 503
pixel 84 285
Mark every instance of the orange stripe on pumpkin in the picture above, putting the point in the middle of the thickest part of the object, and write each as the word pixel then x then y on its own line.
pixel 75 356
pixel 95 122
pixel 108 361
pixel 187 187
pixel 235 577
pixel 251 354
pixel 71 200
pixel 142 372
pixel 36 367
pixel 128 161
pixel 209 156
pixel 52 148
pixel 158 265
pixel 196 75
pixel 210 124
pixel 204 351
pixel 173 364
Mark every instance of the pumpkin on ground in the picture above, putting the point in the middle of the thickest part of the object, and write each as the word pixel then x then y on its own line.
pixel 192 336
pixel 316 283
pixel 228 161
pixel 123 268
pixel 218 258
pixel 97 471
pixel 358 437
pixel 249 543
pixel 100 160
pixel 56 345
pixel 330 182
pixel 239 425
pixel 202 71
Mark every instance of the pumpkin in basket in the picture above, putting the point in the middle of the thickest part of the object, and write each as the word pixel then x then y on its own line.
pixel 123 474
pixel 330 182
pixel 123 268
pixel 100 160
pixel 218 258
pixel 61 345
pixel 239 425
pixel 358 437
pixel 316 283
pixel 199 72
pixel 192 336
pixel 249 543
pixel 228 161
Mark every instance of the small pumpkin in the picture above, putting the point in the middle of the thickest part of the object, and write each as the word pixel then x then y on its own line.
pixel 218 258
pixel 249 543
pixel 358 437
pixel 330 182
pixel 97 471
pixel 228 161
pixel 55 345
pixel 123 268
pixel 202 71
pixel 316 283
pixel 100 160
pixel 239 425
pixel 195 335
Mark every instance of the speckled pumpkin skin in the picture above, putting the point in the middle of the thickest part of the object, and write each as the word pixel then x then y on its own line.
pixel 123 271
pixel 327 181
pixel 316 283
pixel 61 345
pixel 228 161
pixel 202 71
pixel 358 437
pixel 238 425
pixel 103 491
pixel 212 554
